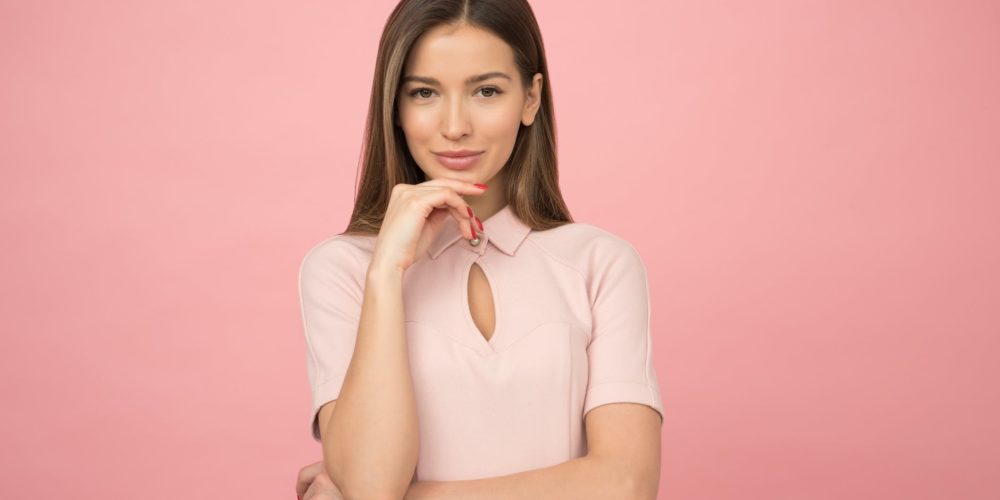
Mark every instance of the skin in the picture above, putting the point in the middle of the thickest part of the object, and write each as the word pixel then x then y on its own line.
pixel 454 115
pixel 450 114
pixel 481 116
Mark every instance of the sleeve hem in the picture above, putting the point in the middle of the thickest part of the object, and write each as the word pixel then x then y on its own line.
pixel 622 392
pixel 323 394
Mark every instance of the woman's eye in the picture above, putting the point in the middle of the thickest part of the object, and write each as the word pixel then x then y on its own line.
pixel 414 93
pixel 493 92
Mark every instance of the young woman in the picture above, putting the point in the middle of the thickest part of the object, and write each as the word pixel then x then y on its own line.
pixel 463 328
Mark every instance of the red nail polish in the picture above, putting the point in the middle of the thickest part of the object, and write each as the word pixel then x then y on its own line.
pixel 470 211
pixel 481 186
pixel 480 223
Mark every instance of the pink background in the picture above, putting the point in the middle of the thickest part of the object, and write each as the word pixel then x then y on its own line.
pixel 813 186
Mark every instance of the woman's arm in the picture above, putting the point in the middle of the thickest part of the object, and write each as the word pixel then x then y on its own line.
pixel 587 477
pixel 370 444
pixel 617 475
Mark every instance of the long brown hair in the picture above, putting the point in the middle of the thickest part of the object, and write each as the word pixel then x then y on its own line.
pixel 532 187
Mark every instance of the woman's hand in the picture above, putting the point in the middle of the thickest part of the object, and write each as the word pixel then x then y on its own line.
pixel 315 484
pixel 415 215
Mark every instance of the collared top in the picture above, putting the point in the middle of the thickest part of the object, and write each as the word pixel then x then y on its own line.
pixel 571 334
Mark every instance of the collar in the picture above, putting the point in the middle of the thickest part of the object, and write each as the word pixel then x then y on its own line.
pixel 503 229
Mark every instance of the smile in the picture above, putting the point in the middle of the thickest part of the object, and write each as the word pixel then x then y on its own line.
pixel 460 162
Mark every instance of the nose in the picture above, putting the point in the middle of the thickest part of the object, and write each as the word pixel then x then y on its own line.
pixel 455 123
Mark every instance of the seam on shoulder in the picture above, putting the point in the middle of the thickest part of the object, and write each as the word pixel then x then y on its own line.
pixel 557 259
pixel 302 316
pixel 650 369
pixel 313 250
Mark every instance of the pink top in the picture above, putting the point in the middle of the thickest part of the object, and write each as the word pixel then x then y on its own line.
pixel 572 333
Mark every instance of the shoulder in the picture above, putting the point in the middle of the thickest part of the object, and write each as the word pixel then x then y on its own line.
pixel 343 256
pixel 587 247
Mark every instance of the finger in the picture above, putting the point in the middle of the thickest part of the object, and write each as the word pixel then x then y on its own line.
pixel 458 208
pixel 302 486
pixel 306 476
pixel 460 186
pixel 323 488
pixel 309 472
pixel 312 493
pixel 454 214
pixel 441 197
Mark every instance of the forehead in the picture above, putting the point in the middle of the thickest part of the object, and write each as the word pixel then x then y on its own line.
pixel 453 53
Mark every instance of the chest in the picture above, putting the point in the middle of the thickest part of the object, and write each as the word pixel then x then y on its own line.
pixel 497 352
pixel 480 302
pixel 489 302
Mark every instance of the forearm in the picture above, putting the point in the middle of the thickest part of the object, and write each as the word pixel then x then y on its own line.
pixel 372 445
pixel 587 477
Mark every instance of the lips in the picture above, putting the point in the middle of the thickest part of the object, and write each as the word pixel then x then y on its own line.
pixel 458 154
pixel 458 160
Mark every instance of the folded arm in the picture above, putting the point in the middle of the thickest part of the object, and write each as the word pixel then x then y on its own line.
pixel 623 462
pixel 578 479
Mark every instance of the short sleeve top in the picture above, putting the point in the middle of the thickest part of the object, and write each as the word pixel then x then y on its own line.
pixel 571 333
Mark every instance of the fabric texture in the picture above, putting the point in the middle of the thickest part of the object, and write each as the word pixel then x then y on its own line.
pixel 571 334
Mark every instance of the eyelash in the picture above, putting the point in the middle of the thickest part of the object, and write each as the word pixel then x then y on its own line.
pixel 496 91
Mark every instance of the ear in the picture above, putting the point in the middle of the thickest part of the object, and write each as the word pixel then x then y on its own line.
pixel 533 100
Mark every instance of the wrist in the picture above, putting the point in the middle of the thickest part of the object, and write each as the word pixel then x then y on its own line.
pixel 379 272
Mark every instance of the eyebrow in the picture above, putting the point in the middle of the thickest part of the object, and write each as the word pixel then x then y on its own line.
pixel 468 81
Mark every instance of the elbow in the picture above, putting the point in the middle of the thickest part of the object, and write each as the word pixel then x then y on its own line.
pixel 369 488
pixel 364 482
pixel 369 492
pixel 374 496
pixel 626 481
pixel 351 483
pixel 365 489
pixel 640 488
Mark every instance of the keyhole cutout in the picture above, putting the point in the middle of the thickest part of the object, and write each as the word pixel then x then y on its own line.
pixel 481 302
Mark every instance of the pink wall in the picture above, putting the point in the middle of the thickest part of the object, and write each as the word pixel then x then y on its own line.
pixel 813 186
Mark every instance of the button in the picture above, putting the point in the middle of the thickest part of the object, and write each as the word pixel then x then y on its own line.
pixel 475 241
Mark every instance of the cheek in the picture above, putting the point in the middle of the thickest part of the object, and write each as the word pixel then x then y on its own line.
pixel 417 124
pixel 500 123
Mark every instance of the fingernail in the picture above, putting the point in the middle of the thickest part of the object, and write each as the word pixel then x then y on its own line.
pixel 480 223
pixel 470 211
pixel 481 186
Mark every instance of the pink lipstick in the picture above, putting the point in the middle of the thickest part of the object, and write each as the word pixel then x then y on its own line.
pixel 458 160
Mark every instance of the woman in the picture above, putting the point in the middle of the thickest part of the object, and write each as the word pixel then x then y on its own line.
pixel 463 328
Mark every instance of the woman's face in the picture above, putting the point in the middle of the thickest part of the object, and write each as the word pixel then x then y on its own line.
pixel 444 107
